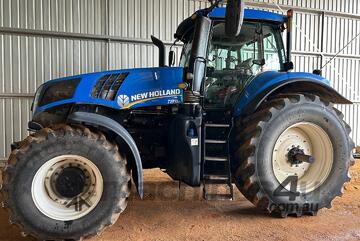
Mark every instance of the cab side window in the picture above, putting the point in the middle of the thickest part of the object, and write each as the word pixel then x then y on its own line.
pixel 233 62
pixel 273 54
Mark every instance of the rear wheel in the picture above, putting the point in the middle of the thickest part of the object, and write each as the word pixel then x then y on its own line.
pixel 292 155
pixel 65 183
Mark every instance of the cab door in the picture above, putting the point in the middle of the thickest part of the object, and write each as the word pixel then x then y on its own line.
pixel 234 62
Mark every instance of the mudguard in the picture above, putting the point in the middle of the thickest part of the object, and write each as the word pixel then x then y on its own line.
pixel 107 123
pixel 270 82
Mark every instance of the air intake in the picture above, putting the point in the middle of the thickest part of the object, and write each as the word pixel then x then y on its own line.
pixel 108 86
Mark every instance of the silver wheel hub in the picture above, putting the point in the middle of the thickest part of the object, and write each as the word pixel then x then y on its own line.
pixel 307 139
pixel 67 187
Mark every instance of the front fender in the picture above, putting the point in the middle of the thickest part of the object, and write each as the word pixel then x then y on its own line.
pixel 107 123
pixel 271 82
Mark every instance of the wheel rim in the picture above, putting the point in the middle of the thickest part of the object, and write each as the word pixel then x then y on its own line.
pixel 67 187
pixel 312 140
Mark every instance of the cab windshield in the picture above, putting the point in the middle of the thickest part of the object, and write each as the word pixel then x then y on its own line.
pixel 185 55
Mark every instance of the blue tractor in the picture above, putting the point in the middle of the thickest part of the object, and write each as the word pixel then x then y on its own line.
pixel 232 112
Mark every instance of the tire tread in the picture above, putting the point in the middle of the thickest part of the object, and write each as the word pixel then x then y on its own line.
pixel 247 139
pixel 18 156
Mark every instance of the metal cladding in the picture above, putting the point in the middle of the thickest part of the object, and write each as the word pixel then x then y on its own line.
pixel 42 40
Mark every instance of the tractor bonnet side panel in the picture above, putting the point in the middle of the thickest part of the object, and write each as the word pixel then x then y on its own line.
pixel 152 87
pixel 123 89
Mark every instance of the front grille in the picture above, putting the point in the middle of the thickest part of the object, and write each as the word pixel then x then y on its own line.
pixel 108 86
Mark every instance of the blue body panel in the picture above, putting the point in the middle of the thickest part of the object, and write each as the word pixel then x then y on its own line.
pixel 143 87
pixel 250 14
pixel 268 80
pixel 141 84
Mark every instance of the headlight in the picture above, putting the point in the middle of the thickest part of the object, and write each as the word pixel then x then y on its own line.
pixel 57 91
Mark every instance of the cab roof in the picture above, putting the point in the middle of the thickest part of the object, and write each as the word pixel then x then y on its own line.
pixel 251 14
pixel 185 28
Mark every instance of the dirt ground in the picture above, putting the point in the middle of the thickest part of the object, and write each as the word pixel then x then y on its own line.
pixel 170 213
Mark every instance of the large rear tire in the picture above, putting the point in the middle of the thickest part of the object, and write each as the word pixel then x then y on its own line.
pixel 265 169
pixel 65 183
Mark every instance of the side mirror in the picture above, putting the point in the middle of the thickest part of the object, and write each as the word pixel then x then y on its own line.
pixel 171 58
pixel 234 17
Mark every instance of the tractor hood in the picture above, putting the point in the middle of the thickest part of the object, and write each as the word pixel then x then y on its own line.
pixel 120 89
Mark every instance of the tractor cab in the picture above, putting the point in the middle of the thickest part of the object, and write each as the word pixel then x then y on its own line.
pixel 218 68
pixel 234 61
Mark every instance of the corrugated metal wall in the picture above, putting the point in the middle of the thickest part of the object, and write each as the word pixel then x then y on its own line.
pixel 42 39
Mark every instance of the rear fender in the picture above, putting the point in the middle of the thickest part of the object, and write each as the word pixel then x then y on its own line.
pixel 97 120
pixel 271 83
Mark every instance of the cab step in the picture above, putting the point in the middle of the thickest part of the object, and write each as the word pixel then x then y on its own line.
pixel 217 159
pixel 219 197
pixel 216 165
pixel 217 125
pixel 217 179
pixel 209 141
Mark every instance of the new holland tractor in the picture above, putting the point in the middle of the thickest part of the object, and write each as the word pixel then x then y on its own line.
pixel 232 112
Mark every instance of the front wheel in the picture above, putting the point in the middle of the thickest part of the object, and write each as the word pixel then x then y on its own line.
pixel 292 155
pixel 65 183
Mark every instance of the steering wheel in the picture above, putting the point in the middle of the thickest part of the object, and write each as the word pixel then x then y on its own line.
pixel 246 65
